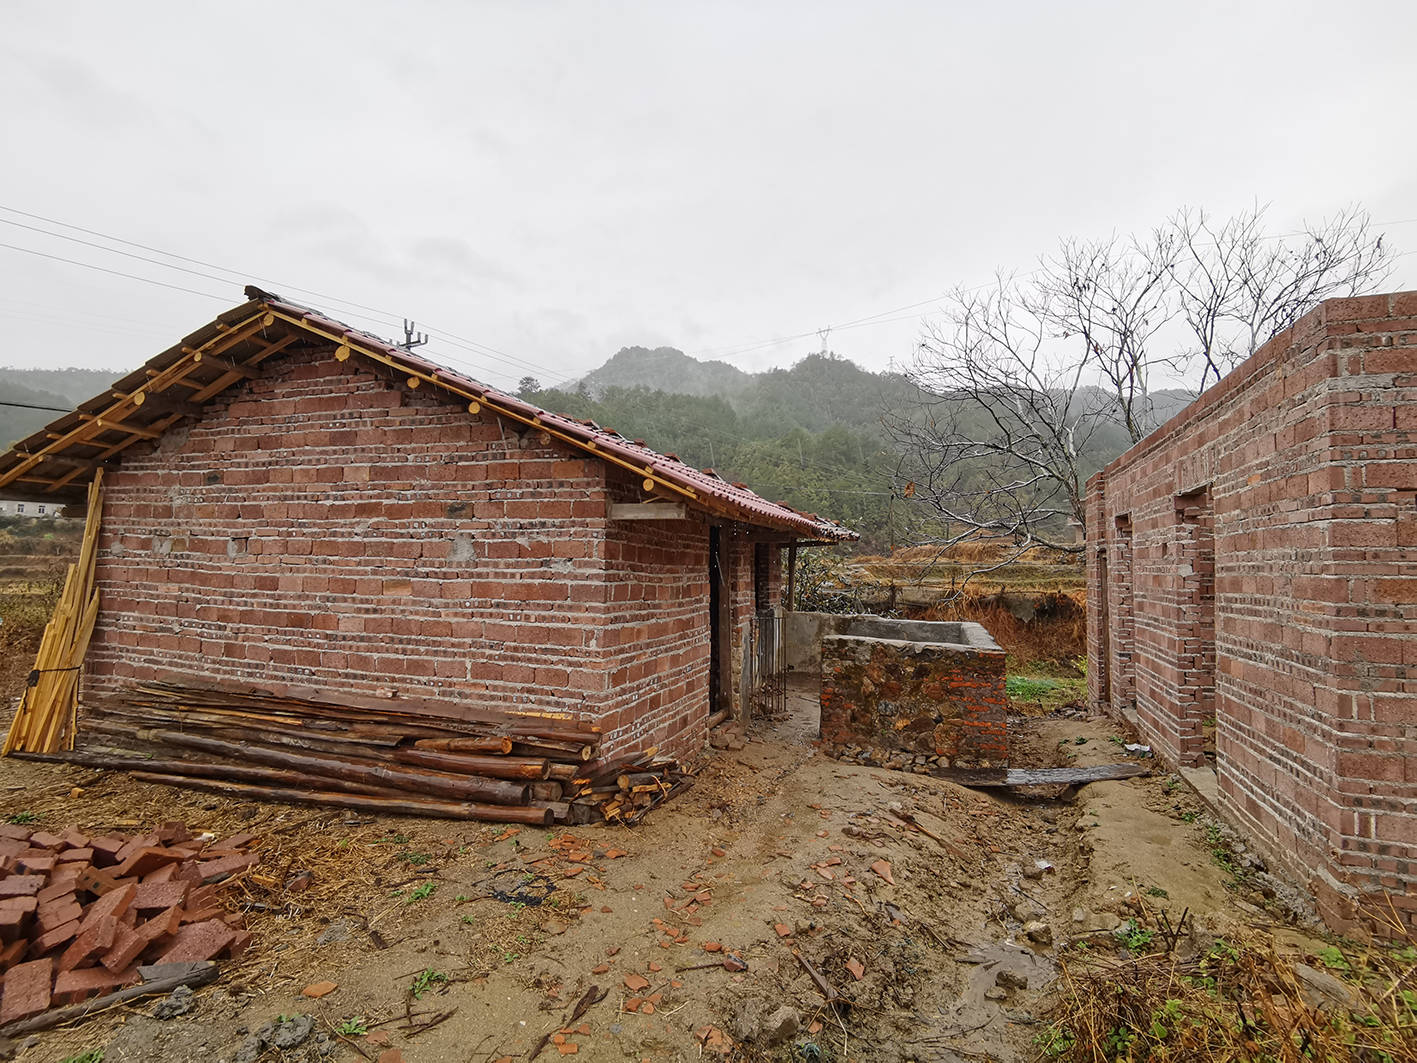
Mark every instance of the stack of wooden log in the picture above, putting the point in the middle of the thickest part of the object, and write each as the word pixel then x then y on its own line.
pixel 622 791
pixel 484 765
pixel 80 915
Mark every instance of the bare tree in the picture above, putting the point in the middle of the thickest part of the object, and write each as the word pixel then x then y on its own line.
pixel 1028 385
pixel 995 450
pixel 1237 287
pixel 1113 297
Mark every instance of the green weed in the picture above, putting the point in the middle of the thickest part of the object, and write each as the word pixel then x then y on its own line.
pixel 1133 937
pixel 425 980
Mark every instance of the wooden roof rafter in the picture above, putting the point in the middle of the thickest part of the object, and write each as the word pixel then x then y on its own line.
pixel 127 417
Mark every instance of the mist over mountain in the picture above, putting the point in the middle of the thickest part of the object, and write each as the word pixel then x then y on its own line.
pixel 662 369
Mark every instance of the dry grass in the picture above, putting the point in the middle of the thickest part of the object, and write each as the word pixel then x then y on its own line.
pixel 1055 634
pixel 1241 998
pixel 977 551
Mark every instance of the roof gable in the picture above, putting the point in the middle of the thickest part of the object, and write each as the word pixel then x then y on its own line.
pixel 58 461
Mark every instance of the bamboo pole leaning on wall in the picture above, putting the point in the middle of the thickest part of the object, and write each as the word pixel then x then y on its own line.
pixel 47 718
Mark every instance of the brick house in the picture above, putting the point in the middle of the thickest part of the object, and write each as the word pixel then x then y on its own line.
pixel 1252 573
pixel 300 506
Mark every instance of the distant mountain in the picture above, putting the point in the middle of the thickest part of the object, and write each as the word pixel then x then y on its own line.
pixel 61 388
pixel 1167 403
pixel 662 369
pixel 74 385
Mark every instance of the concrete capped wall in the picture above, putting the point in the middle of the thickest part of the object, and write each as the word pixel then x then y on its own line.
pixel 806 632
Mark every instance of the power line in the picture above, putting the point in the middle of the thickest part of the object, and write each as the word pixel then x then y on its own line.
pixel 31 406
pixel 738 350
pixel 114 272
pixel 470 345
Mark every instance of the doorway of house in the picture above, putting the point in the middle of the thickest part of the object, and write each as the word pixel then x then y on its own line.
pixel 718 598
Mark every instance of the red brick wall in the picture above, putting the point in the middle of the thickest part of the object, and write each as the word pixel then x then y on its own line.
pixel 656 637
pixel 325 526
pixel 1253 559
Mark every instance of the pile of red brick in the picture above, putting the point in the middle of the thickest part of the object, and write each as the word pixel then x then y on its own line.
pixel 79 914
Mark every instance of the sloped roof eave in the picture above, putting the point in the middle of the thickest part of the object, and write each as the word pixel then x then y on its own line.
pixel 700 488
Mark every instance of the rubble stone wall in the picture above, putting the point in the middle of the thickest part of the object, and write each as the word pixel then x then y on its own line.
pixel 939 700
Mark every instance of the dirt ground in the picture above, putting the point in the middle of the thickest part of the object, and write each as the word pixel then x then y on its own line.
pixel 466 942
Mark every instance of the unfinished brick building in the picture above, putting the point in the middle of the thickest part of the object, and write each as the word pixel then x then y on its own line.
pixel 300 506
pixel 1251 569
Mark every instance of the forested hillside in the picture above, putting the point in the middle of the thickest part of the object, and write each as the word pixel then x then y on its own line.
pixel 811 435
pixel 62 388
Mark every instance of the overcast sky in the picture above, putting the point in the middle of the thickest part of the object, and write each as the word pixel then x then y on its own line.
pixel 558 180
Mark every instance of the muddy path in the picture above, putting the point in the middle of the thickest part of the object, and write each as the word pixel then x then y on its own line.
pixel 936 913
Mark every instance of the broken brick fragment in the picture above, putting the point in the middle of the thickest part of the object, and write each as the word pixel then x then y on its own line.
pixel 225 867
pixel 236 841
pixel 159 896
pixel 57 912
pixel 173 832
pixel 74 987
pixel 21 885
pixel 145 860
pixel 166 873
pixel 27 990
pixel 239 944
pixel 92 941
pixel 198 941
pixel 128 945
pixel 52 939
pixel 92 880
pixel 13 922
pixel 162 925
pixel 114 903
pixel 11 954
pixel 106 850
pixel 36 865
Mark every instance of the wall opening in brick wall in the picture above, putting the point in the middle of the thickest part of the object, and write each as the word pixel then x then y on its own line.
pixel 1121 675
pixel 1104 680
pixel 1195 569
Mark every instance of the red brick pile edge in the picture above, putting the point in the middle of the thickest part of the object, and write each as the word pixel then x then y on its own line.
pixel 78 914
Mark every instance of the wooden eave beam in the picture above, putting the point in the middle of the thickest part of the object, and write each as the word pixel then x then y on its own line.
pixel 647 511
pixel 119 426
pixel 117 411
